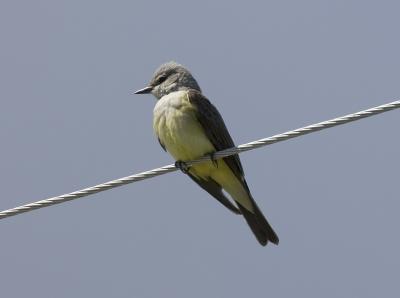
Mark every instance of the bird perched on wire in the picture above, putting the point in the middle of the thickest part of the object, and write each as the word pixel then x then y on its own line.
pixel 188 126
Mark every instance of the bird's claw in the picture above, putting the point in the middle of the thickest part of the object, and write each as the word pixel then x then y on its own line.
pixel 213 159
pixel 181 165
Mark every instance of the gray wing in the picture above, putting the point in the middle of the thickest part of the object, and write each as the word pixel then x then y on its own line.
pixel 215 129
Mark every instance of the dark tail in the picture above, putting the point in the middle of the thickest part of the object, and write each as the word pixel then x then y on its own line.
pixel 259 224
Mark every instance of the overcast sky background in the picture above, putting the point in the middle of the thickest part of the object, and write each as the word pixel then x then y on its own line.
pixel 68 121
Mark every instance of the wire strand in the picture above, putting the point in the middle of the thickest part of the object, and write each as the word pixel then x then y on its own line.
pixel 220 154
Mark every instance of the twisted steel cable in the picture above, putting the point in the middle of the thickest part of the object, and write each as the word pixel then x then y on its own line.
pixel 220 154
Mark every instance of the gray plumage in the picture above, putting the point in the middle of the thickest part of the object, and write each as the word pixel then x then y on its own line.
pixel 186 123
pixel 171 77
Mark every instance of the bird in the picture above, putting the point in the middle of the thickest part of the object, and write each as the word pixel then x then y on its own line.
pixel 188 126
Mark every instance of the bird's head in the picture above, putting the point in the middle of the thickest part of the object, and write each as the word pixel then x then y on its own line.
pixel 168 78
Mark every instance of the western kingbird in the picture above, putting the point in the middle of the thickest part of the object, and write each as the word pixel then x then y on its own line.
pixel 188 126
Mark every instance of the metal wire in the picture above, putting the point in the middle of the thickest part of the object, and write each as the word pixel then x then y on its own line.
pixel 171 168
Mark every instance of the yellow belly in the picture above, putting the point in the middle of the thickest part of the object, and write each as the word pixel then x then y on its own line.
pixel 178 129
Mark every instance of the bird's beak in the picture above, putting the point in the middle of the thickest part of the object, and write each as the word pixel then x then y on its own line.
pixel 144 90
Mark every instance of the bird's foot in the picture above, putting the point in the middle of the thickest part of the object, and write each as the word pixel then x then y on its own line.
pixel 213 159
pixel 181 165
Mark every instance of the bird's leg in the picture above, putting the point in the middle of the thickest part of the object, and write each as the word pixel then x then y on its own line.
pixel 213 159
pixel 181 165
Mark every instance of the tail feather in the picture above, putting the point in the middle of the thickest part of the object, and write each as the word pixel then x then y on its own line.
pixel 259 224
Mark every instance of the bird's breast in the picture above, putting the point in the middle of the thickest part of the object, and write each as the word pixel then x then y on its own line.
pixel 176 125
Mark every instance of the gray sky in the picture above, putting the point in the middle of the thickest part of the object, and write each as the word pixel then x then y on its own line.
pixel 68 120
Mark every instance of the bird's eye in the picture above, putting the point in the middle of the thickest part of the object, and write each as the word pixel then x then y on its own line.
pixel 161 79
